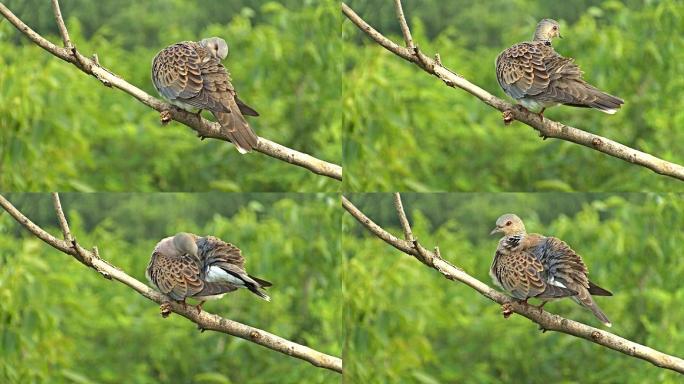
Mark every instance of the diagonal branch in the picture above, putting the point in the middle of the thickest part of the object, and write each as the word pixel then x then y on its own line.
pixel 547 128
pixel 405 30
pixel 403 220
pixel 60 24
pixel 203 127
pixel 204 320
pixel 547 321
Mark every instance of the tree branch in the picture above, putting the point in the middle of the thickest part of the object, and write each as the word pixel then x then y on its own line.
pixel 547 321
pixel 408 39
pixel 62 218
pixel 204 320
pixel 403 220
pixel 60 24
pixel 203 127
pixel 547 128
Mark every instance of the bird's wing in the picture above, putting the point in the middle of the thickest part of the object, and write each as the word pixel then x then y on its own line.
pixel 177 277
pixel 176 72
pixel 224 268
pixel 568 87
pixel 520 274
pixel 560 262
pixel 186 72
pixel 521 70
pixel 219 96
pixel 213 250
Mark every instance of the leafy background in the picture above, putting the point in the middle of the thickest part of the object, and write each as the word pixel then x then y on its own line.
pixel 405 130
pixel 62 130
pixel 61 322
pixel 405 323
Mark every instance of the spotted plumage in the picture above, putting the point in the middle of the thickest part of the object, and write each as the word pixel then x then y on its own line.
pixel 190 75
pixel 203 268
pixel 535 75
pixel 532 265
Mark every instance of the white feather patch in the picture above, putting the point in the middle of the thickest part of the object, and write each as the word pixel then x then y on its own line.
pixel 218 275
pixel 553 281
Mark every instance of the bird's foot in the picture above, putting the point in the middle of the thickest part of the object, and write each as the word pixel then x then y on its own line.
pixel 165 117
pixel 198 307
pixel 506 310
pixel 508 117
pixel 540 306
pixel 165 309
pixel 541 114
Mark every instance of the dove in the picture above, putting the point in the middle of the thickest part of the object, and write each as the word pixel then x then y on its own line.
pixel 531 265
pixel 190 76
pixel 535 75
pixel 202 268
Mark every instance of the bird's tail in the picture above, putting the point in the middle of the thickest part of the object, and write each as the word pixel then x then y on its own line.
pixel 586 301
pixel 598 291
pixel 602 101
pixel 256 286
pixel 236 128
pixel 599 314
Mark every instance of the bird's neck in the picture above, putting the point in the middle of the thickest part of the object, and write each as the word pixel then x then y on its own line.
pixel 541 39
pixel 513 240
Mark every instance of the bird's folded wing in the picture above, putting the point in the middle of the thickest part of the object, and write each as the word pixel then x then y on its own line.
pixel 560 262
pixel 177 278
pixel 521 275
pixel 521 70
pixel 176 72
pixel 214 250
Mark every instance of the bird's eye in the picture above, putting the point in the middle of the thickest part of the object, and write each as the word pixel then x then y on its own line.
pixel 555 28
pixel 508 223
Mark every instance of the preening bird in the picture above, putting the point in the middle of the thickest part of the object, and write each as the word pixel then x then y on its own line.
pixel 190 75
pixel 535 75
pixel 203 268
pixel 531 265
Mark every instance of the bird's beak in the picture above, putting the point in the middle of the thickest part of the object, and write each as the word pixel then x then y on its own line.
pixel 560 36
pixel 495 230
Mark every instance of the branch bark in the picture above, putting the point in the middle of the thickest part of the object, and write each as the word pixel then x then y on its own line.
pixel 547 321
pixel 204 320
pixel 546 128
pixel 203 127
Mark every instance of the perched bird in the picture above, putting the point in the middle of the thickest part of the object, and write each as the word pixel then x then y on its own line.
pixel 532 265
pixel 203 268
pixel 534 74
pixel 190 75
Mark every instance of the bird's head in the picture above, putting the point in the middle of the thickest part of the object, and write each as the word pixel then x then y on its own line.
pixel 508 224
pixel 546 30
pixel 217 46
pixel 185 244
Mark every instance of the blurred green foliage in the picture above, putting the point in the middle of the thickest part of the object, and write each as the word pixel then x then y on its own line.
pixel 405 130
pixel 62 130
pixel 61 322
pixel 406 323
